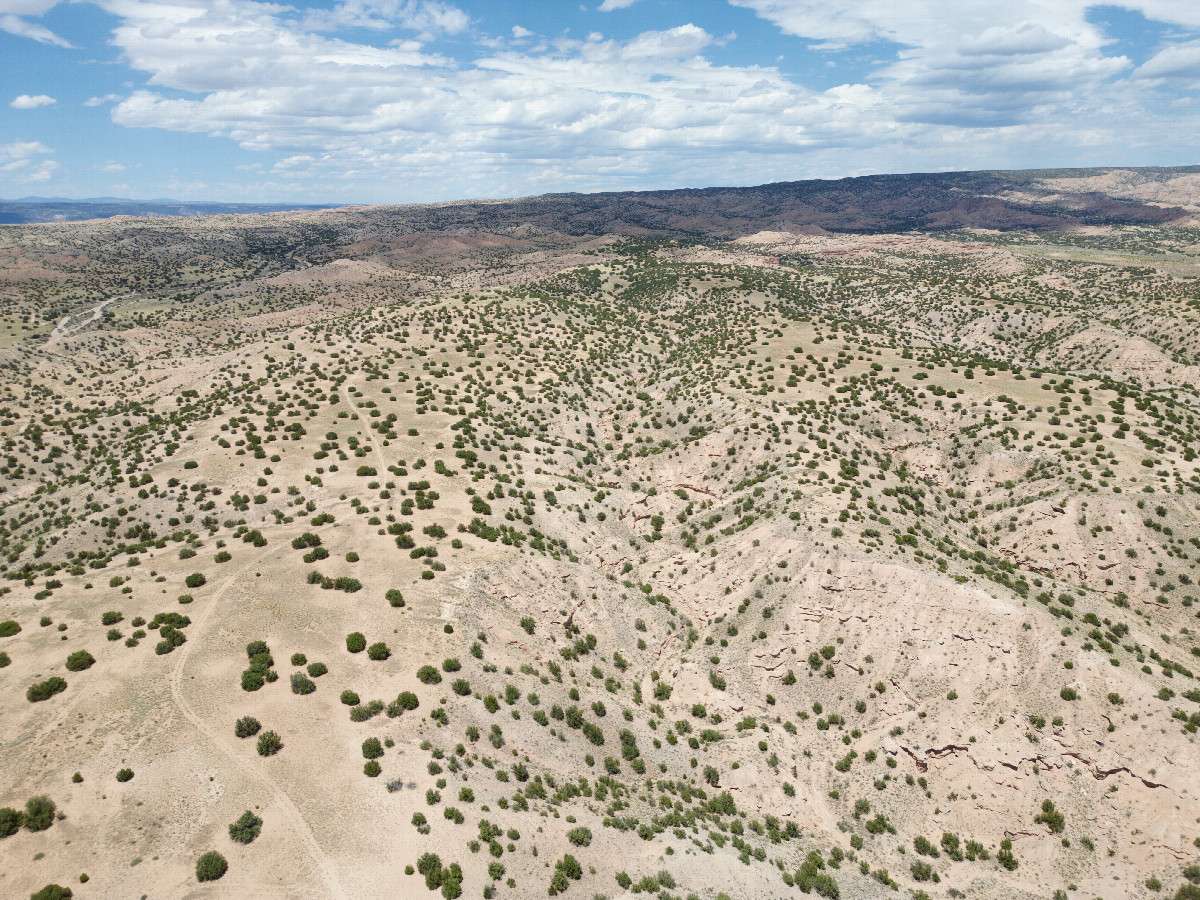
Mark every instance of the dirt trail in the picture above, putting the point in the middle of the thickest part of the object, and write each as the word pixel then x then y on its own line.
pixel 292 813
pixel 69 324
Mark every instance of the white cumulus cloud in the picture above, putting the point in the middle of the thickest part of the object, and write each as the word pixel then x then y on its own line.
pixel 15 19
pixel 973 85
pixel 25 101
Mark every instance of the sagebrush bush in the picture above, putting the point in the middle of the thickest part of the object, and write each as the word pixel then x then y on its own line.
pixel 302 684
pixel 211 866
pixel 39 813
pixel 195 580
pixel 247 726
pixel 52 892
pixel 379 651
pixel 355 642
pixel 246 828
pixel 251 680
pixel 44 690
pixel 428 675
pixel 269 743
pixel 80 660
pixel 10 821
pixel 125 775
pixel 9 627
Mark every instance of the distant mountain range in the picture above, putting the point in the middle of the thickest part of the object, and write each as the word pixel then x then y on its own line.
pixel 1035 198
pixel 27 210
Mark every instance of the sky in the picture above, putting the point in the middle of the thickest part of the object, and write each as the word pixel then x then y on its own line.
pixel 398 101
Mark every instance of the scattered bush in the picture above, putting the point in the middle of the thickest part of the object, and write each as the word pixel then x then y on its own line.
pixel 211 866
pixel 428 675
pixel 9 627
pixel 371 769
pixel 395 598
pixel 269 743
pixel 80 660
pixel 378 651
pixel 53 892
pixel 355 642
pixel 196 580
pixel 302 684
pixel 246 828
pixel 372 748
pixel 299 659
pixel 44 690
pixel 247 726
pixel 251 680
pixel 39 813
pixel 112 617
pixel 405 701
pixel 10 821
pixel 125 775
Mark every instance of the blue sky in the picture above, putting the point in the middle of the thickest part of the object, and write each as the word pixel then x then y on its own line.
pixel 371 101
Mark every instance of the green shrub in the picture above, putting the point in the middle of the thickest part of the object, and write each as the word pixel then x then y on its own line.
pixel 405 701
pixel 80 660
pixel 350 698
pixel 246 828
pixel 269 743
pixel 53 892
pixel 10 821
pixel 371 748
pixel 299 659
pixel 4 660
pixel 251 680
pixel 39 813
pixel 451 665
pixel 428 675
pixel 395 598
pixel 1051 817
pixel 379 651
pixel 125 775
pixel 44 690
pixel 211 866
pixel 247 726
pixel 195 580
pixel 371 768
pixel 112 617
pixel 461 686
pixel 9 627
pixel 580 837
pixel 355 642
pixel 302 684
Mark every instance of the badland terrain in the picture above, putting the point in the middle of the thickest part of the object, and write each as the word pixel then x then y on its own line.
pixel 831 538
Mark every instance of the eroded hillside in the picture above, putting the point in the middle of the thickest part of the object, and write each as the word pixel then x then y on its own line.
pixel 600 564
